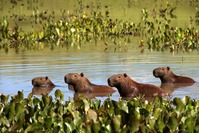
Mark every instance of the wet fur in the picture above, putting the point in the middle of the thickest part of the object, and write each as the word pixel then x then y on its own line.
pixel 127 87
pixel 42 82
pixel 167 76
pixel 80 83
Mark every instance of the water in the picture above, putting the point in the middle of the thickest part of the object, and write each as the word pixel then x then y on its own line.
pixel 18 69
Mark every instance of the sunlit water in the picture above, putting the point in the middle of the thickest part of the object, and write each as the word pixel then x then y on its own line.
pixel 17 70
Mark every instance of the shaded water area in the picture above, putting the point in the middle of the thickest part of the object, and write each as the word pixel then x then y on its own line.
pixel 17 70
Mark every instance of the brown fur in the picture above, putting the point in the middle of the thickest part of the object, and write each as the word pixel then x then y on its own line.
pixel 81 84
pixel 42 82
pixel 127 87
pixel 167 76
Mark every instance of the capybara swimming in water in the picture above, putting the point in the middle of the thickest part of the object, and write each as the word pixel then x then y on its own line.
pixel 80 83
pixel 127 87
pixel 42 82
pixel 167 76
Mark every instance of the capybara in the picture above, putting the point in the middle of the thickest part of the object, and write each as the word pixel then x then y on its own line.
pixel 42 82
pixel 127 87
pixel 167 76
pixel 81 84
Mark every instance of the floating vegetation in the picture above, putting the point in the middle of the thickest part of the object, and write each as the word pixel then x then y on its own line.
pixel 50 114
pixel 88 23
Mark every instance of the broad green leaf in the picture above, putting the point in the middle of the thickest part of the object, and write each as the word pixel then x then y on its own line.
pixel 96 127
pixel 157 113
pixel 86 105
pixel 29 129
pixel 117 121
pixel 173 123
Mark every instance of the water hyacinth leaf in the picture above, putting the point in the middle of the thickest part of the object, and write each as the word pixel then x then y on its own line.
pixel 160 125
pixel 86 105
pixel 59 94
pixel 178 103
pixel 87 129
pixel 40 119
pixel 92 115
pixel 108 128
pixel 76 116
pixel 48 122
pixel 108 105
pixel 152 121
pixel 11 111
pixel 134 127
pixel 58 31
pixel 123 106
pixel 5 121
pixel 30 96
pixel 20 118
pixel 19 108
pixel 190 123
pixel 36 101
pixel 68 127
pixel 173 122
pixel 96 127
pixel 20 95
pixel 29 128
pixel 4 99
pixel 70 105
pixel 47 100
pixel 157 113
pixel 117 123
pixel 186 100
pixel 95 104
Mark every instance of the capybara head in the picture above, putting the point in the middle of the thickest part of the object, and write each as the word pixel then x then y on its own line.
pixel 75 78
pixel 117 80
pixel 161 71
pixel 42 81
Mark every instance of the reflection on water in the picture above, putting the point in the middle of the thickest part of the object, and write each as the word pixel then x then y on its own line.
pixel 17 70
pixel 41 90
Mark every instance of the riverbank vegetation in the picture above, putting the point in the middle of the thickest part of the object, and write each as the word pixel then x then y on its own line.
pixel 48 114
pixel 90 23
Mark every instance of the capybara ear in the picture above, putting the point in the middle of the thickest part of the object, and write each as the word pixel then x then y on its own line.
pixel 46 77
pixel 168 68
pixel 125 75
pixel 82 74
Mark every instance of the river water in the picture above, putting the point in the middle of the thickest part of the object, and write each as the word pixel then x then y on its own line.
pixel 18 69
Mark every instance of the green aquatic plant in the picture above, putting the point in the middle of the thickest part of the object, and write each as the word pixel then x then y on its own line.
pixel 90 24
pixel 54 114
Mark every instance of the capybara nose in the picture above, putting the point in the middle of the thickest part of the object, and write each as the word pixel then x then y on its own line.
pixel 154 73
pixel 65 79
pixel 33 83
pixel 109 81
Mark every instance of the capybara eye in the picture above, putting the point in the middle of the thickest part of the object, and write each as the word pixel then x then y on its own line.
pixel 82 74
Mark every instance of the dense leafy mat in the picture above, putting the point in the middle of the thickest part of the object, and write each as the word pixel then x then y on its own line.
pixel 53 114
